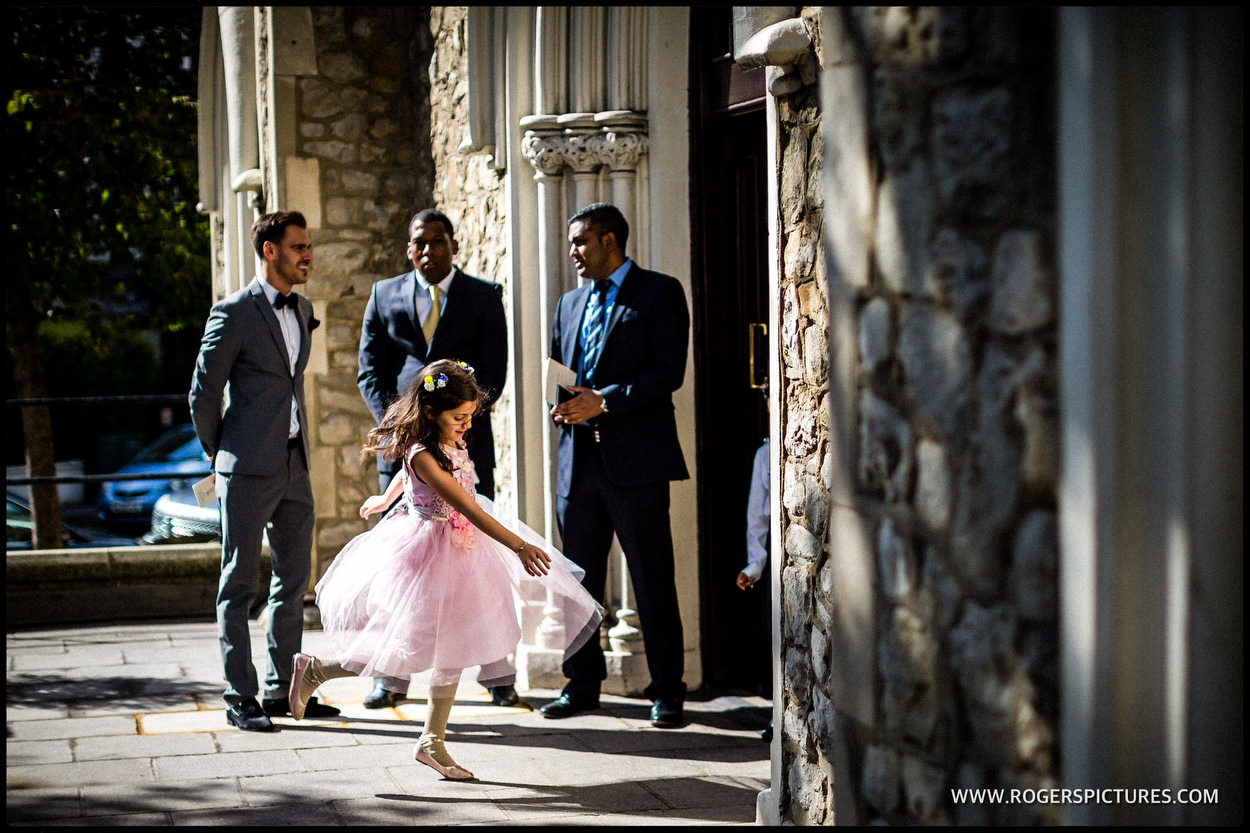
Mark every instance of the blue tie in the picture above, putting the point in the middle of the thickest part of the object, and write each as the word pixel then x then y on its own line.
pixel 596 319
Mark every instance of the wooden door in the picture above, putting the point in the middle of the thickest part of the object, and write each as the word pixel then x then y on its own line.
pixel 730 299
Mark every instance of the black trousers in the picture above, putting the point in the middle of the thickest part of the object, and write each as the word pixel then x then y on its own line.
pixel 639 516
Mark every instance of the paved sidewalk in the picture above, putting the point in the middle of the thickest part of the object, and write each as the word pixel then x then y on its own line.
pixel 124 725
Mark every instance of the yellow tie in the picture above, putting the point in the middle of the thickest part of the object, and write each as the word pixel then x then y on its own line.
pixel 431 320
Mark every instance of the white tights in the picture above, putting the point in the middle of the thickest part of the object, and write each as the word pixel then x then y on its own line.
pixel 443 685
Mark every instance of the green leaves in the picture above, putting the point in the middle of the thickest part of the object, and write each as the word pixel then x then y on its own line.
pixel 100 173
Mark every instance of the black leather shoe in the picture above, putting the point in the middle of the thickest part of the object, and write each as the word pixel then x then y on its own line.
pixel 504 695
pixel 282 705
pixel 666 714
pixel 566 706
pixel 381 698
pixel 248 716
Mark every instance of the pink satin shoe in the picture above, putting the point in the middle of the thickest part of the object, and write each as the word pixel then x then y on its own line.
pixel 305 679
pixel 429 746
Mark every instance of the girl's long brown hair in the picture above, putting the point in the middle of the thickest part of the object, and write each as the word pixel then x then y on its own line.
pixel 412 417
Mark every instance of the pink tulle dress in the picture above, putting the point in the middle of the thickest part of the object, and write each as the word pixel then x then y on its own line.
pixel 425 589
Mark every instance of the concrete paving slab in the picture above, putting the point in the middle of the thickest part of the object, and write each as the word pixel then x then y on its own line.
pixel 358 756
pixel 414 811
pixel 29 752
pixel 24 804
pixel 143 746
pixel 183 722
pixel 323 786
pixel 303 814
pixel 226 765
pixel 17 712
pixel 142 800
pixel 71 727
pixel 121 774
pixel 80 661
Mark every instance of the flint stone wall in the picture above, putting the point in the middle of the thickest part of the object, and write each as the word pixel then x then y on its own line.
pixel 953 469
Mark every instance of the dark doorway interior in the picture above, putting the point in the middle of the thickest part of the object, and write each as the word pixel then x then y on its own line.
pixel 730 299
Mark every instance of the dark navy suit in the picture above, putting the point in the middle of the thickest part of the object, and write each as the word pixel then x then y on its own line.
pixel 472 328
pixel 613 474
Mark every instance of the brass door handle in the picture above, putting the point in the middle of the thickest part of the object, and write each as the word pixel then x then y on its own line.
pixel 752 331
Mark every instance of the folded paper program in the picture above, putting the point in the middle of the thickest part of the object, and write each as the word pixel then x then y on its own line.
pixel 559 379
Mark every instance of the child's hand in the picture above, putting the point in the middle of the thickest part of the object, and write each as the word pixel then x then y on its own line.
pixel 745 582
pixel 535 560
pixel 372 505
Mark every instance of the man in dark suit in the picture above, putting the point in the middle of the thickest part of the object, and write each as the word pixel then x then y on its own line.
pixel 436 311
pixel 625 331
pixel 247 404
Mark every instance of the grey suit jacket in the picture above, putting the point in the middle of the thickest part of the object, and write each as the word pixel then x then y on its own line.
pixel 242 388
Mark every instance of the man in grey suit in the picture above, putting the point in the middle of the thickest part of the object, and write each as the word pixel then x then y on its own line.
pixel 247 404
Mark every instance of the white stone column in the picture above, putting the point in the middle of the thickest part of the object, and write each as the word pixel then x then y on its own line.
pixel 542 146
pixel 626 58
pixel 239 63
pixel 581 150
pixel 238 54
pixel 588 47
pixel 622 147
pixel 551 75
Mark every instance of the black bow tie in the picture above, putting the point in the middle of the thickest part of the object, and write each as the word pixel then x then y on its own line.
pixel 284 301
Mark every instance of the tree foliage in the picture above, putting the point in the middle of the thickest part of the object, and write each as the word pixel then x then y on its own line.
pixel 101 183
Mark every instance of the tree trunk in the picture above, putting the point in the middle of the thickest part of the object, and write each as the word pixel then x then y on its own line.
pixel 22 336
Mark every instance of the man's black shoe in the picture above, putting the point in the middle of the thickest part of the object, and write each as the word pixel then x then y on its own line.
pixel 567 706
pixel 666 714
pixel 281 705
pixel 248 716
pixel 381 698
pixel 504 695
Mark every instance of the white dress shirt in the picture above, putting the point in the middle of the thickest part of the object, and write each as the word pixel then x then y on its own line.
pixel 290 334
pixel 758 515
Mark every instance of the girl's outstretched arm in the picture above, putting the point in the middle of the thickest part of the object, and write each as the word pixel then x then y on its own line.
pixel 376 503
pixel 535 560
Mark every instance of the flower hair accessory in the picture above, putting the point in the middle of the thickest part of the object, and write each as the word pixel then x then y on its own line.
pixel 432 382
pixel 466 366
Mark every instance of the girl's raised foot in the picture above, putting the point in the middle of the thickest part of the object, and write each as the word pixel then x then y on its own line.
pixel 306 677
pixel 431 752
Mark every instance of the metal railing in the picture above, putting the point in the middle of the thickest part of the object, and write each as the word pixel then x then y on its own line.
pixel 149 399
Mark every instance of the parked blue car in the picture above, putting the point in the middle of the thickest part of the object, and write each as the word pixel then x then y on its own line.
pixel 177 454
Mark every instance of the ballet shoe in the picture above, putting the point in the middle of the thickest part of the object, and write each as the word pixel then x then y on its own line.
pixel 306 677
pixel 429 749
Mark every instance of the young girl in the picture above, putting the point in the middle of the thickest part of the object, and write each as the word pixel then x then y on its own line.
pixel 431 586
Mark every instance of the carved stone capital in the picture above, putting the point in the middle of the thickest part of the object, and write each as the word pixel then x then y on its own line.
pixel 544 152
pixel 621 151
pixel 618 143
pixel 582 151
